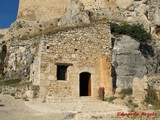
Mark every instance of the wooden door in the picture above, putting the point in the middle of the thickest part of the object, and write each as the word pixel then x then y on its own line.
pixel 89 86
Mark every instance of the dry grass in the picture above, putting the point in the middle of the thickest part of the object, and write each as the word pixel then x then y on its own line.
pixel 9 82
pixel 13 82
pixel 51 30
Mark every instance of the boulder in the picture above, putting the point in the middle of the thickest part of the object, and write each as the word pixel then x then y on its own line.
pixel 130 63
pixel 29 94
pixel 118 92
pixel 18 95
pixel 138 89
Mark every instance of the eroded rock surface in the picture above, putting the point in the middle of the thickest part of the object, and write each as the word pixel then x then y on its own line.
pixel 75 14
pixel 129 62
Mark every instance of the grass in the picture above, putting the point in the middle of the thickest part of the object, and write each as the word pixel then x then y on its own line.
pixel 152 97
pixel 110 99
pixel 131 104
pixel 13 82
pixel 9 82
pixel 125 92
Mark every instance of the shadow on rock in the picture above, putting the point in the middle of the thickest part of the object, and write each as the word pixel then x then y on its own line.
pixel 1 105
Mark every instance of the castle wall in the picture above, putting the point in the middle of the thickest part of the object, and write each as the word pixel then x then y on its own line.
pixel 41 10
pixel 90 4
pixel 82 49
pixel 46 10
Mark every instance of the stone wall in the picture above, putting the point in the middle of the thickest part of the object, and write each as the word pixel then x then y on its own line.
pixel 3 31
pixel 84 49
pixel 41 10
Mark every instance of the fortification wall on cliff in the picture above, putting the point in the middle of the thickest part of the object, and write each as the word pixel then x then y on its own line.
pixel 45 10
pixel 42 10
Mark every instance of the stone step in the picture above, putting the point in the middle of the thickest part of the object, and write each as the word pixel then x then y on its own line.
pixel 51 99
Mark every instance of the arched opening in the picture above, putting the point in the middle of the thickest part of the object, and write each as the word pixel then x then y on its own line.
pixel 85 84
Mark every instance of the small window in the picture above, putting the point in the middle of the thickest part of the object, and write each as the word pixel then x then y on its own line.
pixel 61 72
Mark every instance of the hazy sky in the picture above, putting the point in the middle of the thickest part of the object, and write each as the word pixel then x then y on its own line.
pixel 8 12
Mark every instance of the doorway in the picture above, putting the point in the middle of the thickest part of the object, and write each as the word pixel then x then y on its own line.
pixel 85 84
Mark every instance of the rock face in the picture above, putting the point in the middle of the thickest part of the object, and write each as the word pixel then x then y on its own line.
pixel 129 62
pixel 3 53
pixel 157 16
pixel 75 14
pixel 140 86
pixel 124 3
pixel 19 57
pixel 153 80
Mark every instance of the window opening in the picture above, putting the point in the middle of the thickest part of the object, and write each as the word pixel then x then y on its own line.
pixel 61 72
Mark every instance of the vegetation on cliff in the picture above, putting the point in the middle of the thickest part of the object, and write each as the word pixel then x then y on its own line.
pixel 136 31
pixel 151 97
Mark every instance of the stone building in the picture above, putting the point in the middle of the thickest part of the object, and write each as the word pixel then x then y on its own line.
pixel 73 63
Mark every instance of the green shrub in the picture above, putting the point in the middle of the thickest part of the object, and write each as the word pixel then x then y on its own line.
pixel 13 94
pixel 1 75
pixel 110 99
pixel 125 92
pixel 135 105
pixel 136 31
pixel 147 50
pixel 9 82
pixel 130 101
pixel 131 104
pixel 151 97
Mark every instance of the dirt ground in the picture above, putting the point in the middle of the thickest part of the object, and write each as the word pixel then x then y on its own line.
pixel 15 109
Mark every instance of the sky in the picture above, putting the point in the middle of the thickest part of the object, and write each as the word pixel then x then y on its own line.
pixel 8 12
